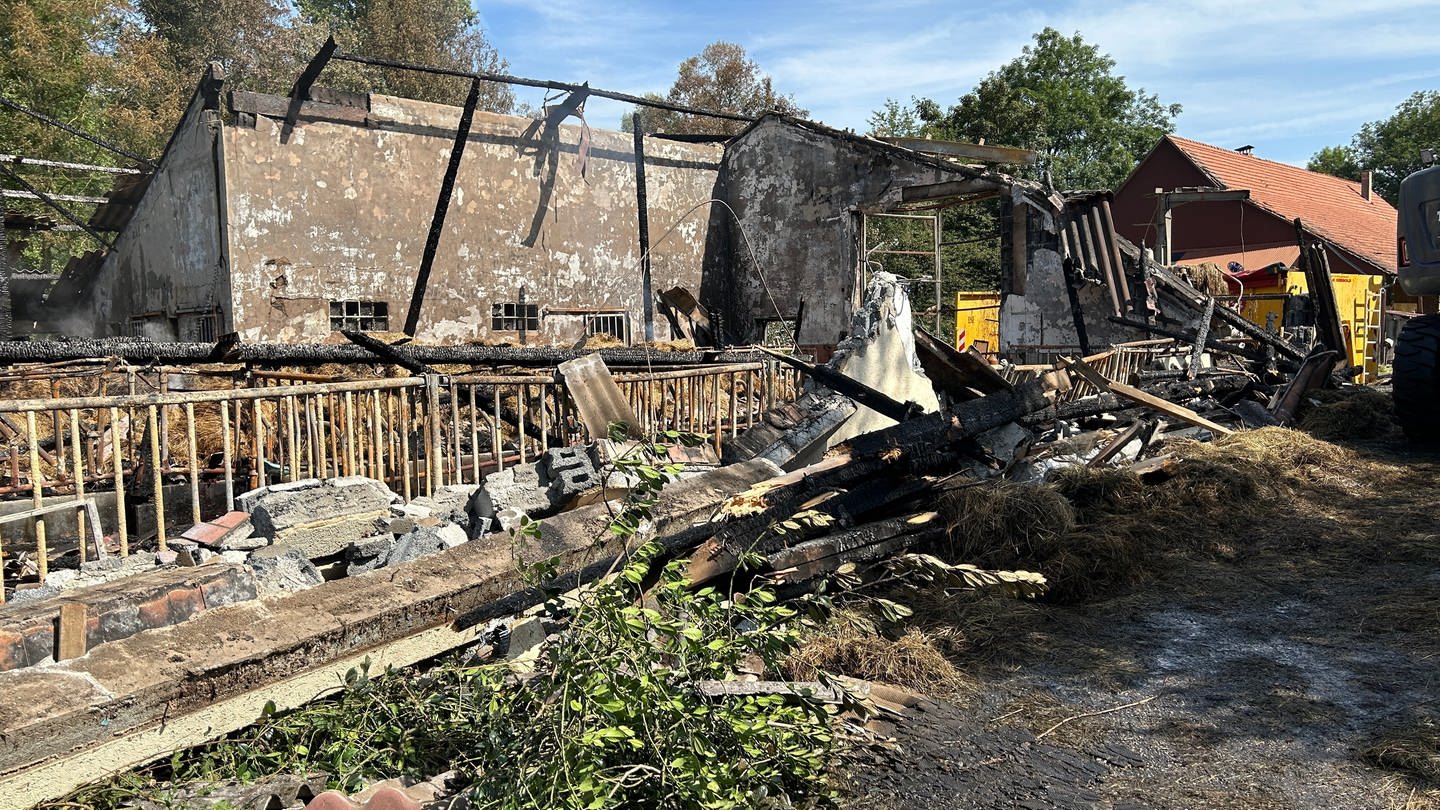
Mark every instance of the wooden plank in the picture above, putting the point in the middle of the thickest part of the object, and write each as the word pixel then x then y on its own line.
pixel 981 153
pixel 956 371
pixel 1117 443
pixel 71 641
pixel 1134 394
pixel 243 101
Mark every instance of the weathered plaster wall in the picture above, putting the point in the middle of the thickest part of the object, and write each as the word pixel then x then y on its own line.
pixel 1036 322
pixel 796 192
pixel 342 210
pixel 169 263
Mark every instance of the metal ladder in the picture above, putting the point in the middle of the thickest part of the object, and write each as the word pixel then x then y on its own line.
pixel 1370 356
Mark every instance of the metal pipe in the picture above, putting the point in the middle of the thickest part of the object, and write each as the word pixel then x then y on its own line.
pixel 546 84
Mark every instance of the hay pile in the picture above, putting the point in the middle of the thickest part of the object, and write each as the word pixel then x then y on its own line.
pixel 1094 532
pixel 911 661
pixel 1353 414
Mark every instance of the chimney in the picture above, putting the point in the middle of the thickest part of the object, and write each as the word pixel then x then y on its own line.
pixel 1366 183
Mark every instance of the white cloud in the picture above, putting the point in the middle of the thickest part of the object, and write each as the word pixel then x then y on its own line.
pixel 1299 75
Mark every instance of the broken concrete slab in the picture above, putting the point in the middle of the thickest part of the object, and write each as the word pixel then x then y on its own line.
pixel 880 353
pixel 323 518
pixel 281 570
pixel 280 509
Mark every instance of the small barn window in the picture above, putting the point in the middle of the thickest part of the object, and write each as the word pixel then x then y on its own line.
pixel 359 316
pixel 608 323
pixel 512 317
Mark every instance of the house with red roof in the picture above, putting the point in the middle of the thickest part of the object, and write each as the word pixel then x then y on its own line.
pixel 1356 224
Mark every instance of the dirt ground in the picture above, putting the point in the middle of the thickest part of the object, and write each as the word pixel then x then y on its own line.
pixel 1272 669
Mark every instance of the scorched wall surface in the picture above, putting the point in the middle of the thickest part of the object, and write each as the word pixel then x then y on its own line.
pixel 341 211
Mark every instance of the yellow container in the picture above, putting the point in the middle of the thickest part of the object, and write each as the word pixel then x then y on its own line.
pixel 977 320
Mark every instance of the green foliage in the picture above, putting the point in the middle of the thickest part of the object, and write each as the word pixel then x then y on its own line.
pixel 895 120
pixel 1061 98
pixel 608 714
pixel 1340 161
pixel 1390 147
pixel 720 78
pixel 443 33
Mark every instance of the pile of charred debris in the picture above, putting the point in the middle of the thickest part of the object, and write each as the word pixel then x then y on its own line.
pixel 877 444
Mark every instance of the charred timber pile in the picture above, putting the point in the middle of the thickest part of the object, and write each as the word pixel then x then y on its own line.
pixel 309 354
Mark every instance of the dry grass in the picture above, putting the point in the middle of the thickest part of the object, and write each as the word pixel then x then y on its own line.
pixel 1353 414
pixel 911 661
pixel 1412 749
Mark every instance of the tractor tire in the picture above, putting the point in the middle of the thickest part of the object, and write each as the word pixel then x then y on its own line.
pixel 1416 379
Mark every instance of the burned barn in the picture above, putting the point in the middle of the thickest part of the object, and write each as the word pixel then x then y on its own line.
pixel 287 219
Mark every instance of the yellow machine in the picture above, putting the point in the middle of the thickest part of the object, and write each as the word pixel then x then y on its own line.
pixel 1357 295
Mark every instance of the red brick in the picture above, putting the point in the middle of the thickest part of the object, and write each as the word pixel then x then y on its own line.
pixel 206 533
pixel 230 520
pixel 185 602
pixel 155 612
pixel 12 651
pixel 39 641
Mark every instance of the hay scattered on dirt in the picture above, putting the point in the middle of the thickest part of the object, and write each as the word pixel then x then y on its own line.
pixel 1354 414
pixel 1412 749
pixel 911 661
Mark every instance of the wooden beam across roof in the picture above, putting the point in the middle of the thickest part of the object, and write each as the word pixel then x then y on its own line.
pixel 982 153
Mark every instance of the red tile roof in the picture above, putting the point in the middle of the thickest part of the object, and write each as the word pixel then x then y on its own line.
pixel 1331 208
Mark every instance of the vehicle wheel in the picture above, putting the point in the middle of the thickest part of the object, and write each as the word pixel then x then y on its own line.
pixel 1416 379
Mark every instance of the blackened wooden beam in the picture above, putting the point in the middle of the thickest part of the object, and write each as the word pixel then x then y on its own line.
pixel 642 221
pixel 442 205
pixel 1077 313
pixel 876 400
pixel 300 91
pixel 386 352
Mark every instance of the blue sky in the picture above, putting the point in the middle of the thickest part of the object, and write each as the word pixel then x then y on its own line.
pixel 1288 77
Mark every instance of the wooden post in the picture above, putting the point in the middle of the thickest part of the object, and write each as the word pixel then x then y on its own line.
pixel 116 458
pixel 71 641
pixel 37 479
pixel 79 469
pixel 158 478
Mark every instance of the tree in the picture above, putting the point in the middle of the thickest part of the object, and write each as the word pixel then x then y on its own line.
pixel 1060 98
pixel 720 78
pixel 253 39
pixel 440 33
pixel 1390 147
pixel 895 120
pixel 1340 161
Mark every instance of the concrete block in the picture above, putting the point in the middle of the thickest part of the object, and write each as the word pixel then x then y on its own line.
pixel 401 525
pixel 323 538
pixel 414 545
pixel 245 543
pixel 237 557
pixel 368 553
pixel 277 512
pixel 518 487
pixel 452 535
pixel 510 518
pixel 280 570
